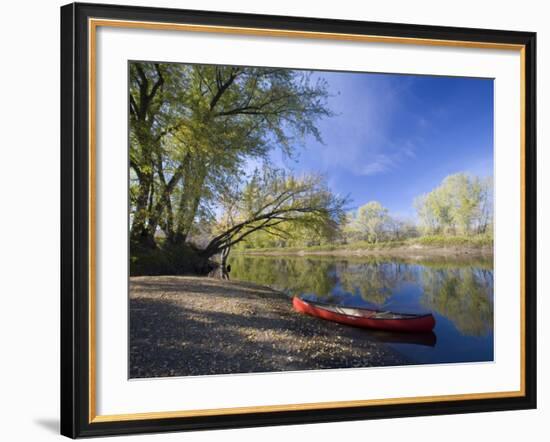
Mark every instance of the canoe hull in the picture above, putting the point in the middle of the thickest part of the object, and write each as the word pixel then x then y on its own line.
pixel 414 324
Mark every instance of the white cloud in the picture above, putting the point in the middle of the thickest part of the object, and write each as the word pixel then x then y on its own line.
pixel 359 139
pixel 380 164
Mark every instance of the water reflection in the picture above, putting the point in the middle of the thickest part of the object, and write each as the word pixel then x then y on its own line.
pixel 464 295
pixel 459 294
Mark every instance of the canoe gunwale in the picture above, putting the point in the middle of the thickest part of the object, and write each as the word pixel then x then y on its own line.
pixel 405 316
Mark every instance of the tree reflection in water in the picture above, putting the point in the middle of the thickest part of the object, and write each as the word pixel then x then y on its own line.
pixel 460 292
pixel 463 295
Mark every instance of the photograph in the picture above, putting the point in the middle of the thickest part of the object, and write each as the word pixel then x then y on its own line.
pixel 276 220
pixel 290 219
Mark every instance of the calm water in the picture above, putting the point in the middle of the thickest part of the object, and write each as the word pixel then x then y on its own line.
pixel 460 296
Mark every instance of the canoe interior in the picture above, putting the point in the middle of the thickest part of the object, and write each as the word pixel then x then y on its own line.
pixel 363 312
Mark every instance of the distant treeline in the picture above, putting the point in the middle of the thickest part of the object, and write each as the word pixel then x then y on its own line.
pixel 461 206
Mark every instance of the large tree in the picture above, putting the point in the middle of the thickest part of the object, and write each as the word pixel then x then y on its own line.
pixel 277 203
pixel 193 126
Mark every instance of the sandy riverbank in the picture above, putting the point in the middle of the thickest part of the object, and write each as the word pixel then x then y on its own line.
pixel 183 325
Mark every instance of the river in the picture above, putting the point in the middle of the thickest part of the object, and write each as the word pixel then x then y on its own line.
pixel 459 294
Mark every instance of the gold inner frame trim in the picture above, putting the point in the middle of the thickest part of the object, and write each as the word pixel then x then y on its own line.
pixel 93 24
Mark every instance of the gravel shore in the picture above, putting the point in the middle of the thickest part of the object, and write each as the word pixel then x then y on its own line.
pixel 183 325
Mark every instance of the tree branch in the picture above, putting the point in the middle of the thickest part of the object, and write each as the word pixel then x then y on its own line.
pixel 222 86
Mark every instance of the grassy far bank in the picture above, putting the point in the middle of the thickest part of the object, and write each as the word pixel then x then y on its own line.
pixel 456 244
pixel 183 260
pixel 436 262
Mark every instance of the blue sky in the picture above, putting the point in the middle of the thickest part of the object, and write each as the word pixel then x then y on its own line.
pixel 395 137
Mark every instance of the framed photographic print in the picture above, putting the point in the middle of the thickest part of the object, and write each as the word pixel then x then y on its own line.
pixel 279 220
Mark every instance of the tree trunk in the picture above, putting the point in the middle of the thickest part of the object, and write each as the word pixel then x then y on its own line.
pixel 224 256
pixel 193 183
pixel 163 203
pixel 139 232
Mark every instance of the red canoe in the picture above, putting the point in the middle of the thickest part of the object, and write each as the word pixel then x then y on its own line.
pixel 366 318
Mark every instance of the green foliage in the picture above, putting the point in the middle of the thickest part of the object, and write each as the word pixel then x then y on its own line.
pixel 372 223
pixel 461 205
pixel 369 223
pixel 458 213
pixel 192 128
pixel 274 204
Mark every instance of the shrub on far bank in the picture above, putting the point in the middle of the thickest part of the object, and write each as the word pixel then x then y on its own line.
pixel 475 241
pixel 455 241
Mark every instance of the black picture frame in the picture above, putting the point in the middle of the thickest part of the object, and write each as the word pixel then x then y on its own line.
pixel 75 221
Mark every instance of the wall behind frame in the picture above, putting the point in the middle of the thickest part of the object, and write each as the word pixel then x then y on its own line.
pixel 29 246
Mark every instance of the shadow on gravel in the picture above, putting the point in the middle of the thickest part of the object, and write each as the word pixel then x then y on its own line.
pixel 173 332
